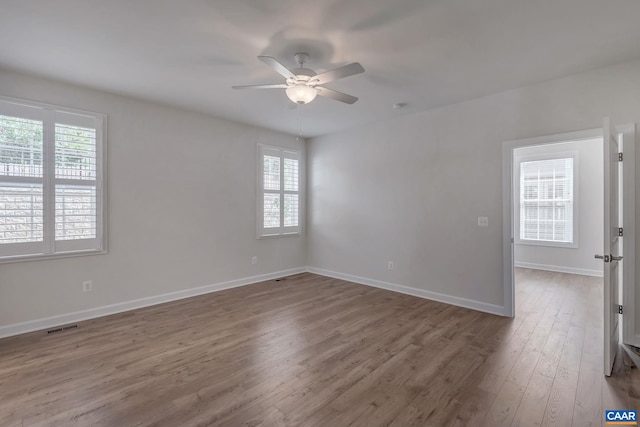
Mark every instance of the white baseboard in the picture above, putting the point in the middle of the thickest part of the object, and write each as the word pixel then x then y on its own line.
pixel 78 316
pixel 435 296
pixel 633 340
pixel 559 269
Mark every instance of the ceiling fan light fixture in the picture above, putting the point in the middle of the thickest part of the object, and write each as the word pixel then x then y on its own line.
pixel 301 93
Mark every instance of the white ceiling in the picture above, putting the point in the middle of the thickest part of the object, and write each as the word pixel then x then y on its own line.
pixel 425 53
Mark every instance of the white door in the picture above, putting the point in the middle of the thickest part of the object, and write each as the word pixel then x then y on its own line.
pixel 611 254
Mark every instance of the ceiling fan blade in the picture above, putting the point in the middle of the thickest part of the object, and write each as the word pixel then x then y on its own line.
pixel 339 73
pixel 334 94
pixel 273 63
pixel 276 86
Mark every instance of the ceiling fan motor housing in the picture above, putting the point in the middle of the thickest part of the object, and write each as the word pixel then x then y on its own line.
pixel 303 76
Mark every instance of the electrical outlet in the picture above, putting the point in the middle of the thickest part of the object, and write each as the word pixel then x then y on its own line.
pixel 87 286
pixel 254 260
pixel 390 265
pixel 483 221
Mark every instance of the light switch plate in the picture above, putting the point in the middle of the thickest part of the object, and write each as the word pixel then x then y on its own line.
pixel 483 221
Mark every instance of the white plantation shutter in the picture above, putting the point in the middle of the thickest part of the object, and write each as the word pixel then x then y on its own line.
pixel 271 188
pixel 76 182
pixel 546 200
pixel 279 191
pixel 291 180
pixel 21 180
pixel 50 180
pixel 75 212
pixel 21 220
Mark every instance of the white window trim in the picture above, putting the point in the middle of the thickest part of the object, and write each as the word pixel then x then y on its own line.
pixel 518 159
pixel 283 153
pixel 70 248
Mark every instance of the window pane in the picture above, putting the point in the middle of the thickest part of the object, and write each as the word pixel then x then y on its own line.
pixel 75 212
pixel 561 231
pixel 562 190
pixel 546 190
pixel 561 210
pixel 271 173
pixel 530 230
pixel 529 211
pixel 545 211
pixel 20 147
pixel 75 152
pixel 21 217
pixel 530 190
pixel 564 222
pixel 546 200
pixel 271 210
pixel 290 210
pixel 290 175
pixel 545 230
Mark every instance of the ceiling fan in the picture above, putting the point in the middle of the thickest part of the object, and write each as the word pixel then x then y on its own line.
pixel 302 84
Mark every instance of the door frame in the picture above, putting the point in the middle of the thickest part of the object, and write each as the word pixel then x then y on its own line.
pixel 508 232
pixel 629 333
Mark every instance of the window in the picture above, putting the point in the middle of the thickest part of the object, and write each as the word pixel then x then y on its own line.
pixel 279 191
pixel 547 199
pixel 51 195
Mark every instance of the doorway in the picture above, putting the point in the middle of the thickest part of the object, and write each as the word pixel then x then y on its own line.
pixel 558 227
pixel 511 230
pixel 558 206
pixel 536 147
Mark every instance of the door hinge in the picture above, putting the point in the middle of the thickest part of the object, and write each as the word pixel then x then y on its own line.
pixel 620 157
pixel 620 231
pixel 619 309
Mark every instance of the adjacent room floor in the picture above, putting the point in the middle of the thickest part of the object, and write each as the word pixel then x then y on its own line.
pixel 311 350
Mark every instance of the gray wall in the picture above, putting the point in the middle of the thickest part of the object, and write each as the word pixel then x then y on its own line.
pixel 411 189
pixel 181 208
pixel 589 228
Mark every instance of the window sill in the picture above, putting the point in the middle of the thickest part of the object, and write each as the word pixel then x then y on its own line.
pixel 271 236
pixel 547 244
pixel 42 257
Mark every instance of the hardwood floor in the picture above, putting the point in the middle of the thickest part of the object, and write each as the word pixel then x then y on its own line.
pixel 316 351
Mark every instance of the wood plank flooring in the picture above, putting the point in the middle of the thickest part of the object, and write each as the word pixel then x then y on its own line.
pixel 315 351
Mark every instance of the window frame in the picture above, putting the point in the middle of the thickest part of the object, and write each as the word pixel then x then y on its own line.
pixel 518 160
pixel 50 248
pixel 282 153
